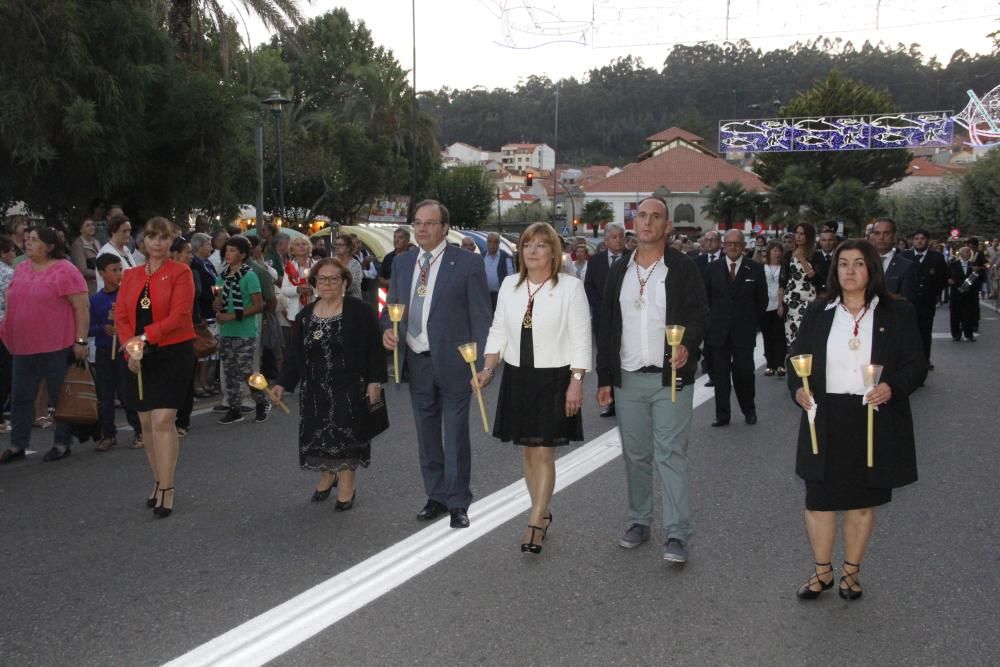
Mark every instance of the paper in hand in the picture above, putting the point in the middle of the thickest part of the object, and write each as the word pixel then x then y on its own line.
pixel 811 412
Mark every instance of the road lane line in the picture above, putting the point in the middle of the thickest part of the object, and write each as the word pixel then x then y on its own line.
pixel 272 633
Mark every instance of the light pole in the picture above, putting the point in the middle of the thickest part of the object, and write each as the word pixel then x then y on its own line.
pixel 276 100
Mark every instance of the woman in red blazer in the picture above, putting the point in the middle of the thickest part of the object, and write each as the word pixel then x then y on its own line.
pixel 153 312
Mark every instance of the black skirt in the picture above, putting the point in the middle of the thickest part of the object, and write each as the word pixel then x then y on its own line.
pixel 532 406
pixel 167 373
pixel 845 483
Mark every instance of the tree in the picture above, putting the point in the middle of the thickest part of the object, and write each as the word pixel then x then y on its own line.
pixel 847 200
pixel 838 96
pixel 596 212
pixel 467 192
pixel 81 120
pixel 728 203
pixel 980 194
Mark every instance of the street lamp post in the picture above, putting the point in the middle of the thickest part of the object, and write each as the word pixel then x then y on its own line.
pixel 276 100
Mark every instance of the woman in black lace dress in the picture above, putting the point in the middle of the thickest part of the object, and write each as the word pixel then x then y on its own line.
pixel 336 351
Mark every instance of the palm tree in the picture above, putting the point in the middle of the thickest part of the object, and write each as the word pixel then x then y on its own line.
pixel 187 18
pixel 728 202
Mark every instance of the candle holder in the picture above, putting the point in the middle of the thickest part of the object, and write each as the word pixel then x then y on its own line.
pixel 396 311
pixel 135 349
pixel 803 364
pixel 870 376
pixel 259 382
pixel 675 334
pixel 470 355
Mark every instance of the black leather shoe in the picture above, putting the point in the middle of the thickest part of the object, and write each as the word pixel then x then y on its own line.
pixel 431 511
pixel 751 418
pixel 709 383
pixel 459 518
pixel 55 454
pixel 344 505
pixel 11 454
pixel 608 411
pixel 719 422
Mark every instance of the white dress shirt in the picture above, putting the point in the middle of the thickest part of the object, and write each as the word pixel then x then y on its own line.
pixel 422 343
pixel 643 338
pixel 560 323
pixel 712 256
pixel 887 259
pixel 730 262
pixel 843 365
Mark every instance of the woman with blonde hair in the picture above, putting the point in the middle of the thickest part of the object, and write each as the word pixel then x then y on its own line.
pixel 153 313
pixel 541 329
pixel 296 286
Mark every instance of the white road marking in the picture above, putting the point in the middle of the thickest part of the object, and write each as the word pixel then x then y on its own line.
pixel 284 627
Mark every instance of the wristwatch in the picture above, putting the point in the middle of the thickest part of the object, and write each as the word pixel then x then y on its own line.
pixel 80 341
pixel 577 376
pixel 143 338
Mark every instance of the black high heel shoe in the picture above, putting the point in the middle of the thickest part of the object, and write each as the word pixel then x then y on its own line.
pixel 319 496
pixel 548 519
pixel 531 546
pixel 848 582
pixel 807 592
pixel 151 501
pixel 160 511
pixel 343 506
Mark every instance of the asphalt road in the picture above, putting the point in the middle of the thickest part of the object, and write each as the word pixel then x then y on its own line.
pixel 91 578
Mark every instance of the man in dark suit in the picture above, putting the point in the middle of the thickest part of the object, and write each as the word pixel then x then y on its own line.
pixel 932 278
pixel 978 259
pixel 596 277
pixel 447 304
pixel 824 255
pixel 653 287
pixel 710 244
pixel 737 298
pixel 900 273
pixel 964 281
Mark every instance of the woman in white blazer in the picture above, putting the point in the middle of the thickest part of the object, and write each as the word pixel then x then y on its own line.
pixel 541 330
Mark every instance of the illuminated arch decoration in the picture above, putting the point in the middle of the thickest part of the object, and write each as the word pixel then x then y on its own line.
pixel 837 133
pixel 981 117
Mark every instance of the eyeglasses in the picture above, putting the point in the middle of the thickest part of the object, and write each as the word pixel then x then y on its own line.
pixel 327 280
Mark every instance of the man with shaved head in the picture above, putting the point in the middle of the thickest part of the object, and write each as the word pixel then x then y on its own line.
pixel 737 297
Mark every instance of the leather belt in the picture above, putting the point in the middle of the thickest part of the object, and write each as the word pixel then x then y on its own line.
pixel 649 369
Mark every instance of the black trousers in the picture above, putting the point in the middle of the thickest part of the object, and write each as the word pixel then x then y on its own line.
pixel 732 368
pixel 925 323
pixel 963 309
pixel 110 378
pixel 772 328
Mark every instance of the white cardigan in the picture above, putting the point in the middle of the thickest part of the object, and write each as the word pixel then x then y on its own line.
pixel 560 333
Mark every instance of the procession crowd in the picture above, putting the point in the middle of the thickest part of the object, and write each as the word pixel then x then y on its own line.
pixel 166 316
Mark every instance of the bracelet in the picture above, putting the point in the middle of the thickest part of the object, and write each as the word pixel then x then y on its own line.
pixel 80 341
pixel 488 370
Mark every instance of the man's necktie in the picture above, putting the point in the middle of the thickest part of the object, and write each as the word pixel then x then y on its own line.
pixel 416 318
pixel 732 271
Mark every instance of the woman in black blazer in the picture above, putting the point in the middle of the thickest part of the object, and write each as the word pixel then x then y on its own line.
pixel 858 322
pixel 336 349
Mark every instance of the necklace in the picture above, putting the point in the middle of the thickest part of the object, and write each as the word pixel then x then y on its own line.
pixel 526 322
pixel 855 343
pixel 144 302
pixel 641 301
pixel 424 272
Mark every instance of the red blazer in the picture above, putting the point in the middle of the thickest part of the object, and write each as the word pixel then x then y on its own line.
pixel 171 289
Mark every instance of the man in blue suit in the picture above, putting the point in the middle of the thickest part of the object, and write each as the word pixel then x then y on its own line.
pixel 447 304
pixel 900 272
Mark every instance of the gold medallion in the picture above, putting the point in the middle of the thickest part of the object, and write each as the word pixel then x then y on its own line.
pixel 854 343
pixel 317 334
pixel 526 322
pixel 422 290
pixel 145 303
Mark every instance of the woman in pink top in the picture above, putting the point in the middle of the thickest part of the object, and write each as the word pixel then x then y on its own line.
pixel 48 315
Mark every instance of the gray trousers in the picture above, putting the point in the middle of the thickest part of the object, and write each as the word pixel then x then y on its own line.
pixel 652 429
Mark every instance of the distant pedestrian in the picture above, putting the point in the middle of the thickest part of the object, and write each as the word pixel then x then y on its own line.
pixel 498 265
pixel 737 297
pixel 964 281
pixel 595 280
pixel 932 278
pixel 45 329
pixel 343 249
pixel 120 233
pixel 772 327
pixel 798 278
pixel 84 251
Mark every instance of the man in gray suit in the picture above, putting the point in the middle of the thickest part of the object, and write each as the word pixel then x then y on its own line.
pixel 447 304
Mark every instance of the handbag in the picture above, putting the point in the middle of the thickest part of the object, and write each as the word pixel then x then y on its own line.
pixel 205 344
pixel 77 402
pixel 374 420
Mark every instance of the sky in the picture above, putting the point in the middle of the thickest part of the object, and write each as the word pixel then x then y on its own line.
pixel 497 43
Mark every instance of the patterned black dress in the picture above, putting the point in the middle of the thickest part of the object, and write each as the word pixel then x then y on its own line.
pixel 799 293
pixel 332 402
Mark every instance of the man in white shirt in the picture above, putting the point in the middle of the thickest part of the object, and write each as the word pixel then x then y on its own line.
pixel 900 273
pixel 645 292
pixel 498 266
pixel 443 290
